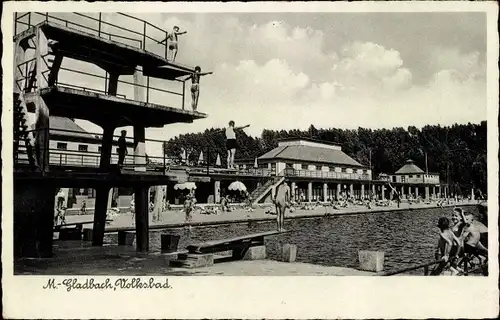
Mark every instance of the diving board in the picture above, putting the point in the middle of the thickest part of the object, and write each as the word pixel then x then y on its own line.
pixel 237 243
pixel 76 224
pixel 203 254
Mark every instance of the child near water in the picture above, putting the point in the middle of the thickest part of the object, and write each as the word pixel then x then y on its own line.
pixel 83 209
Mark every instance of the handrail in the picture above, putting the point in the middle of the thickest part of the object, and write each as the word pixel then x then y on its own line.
pixel 291 172
pixel 419 266
pixel 122 81
pixel 101 22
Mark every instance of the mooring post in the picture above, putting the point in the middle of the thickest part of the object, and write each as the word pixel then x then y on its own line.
pixel 371 260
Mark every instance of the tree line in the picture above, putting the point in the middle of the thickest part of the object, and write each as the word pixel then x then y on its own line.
pixel 457 152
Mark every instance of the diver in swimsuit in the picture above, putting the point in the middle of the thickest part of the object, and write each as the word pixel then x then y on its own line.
pixel 173 45
pixel 195 85
pixel 281 201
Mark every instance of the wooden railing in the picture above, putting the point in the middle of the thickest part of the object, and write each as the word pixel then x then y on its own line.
pixel 289 172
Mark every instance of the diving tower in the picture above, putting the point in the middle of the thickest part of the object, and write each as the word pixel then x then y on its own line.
pixel 42 44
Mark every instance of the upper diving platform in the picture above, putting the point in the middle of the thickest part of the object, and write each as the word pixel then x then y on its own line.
pixel 83 37
pixel 110 55
pixel 95 70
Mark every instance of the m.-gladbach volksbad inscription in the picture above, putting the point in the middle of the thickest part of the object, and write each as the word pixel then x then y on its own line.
pixel 75 284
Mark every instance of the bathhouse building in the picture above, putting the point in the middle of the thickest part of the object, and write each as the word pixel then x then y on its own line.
pixel 317 171
pixel 414 182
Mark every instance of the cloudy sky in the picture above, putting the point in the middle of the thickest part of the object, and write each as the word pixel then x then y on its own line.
pixel 346 70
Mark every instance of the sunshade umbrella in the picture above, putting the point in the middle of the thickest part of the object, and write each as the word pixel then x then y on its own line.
pixel 255 164
pixel 200 159
pixel 218 162
pixel 237 186
pixel 184 155
pixel 185 186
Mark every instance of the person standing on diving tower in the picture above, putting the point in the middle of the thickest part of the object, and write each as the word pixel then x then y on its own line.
pixel 231 143
pixel 173 41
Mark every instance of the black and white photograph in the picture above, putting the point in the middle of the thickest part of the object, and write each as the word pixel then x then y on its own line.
pixel 273 143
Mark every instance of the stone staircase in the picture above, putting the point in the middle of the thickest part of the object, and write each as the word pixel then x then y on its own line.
pixel 259 193
pixel 23 138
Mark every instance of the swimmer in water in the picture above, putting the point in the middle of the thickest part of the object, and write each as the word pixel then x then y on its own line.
pixel 173 41
pixel 195 85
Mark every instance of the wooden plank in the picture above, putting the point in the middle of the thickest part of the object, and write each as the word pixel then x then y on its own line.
pixel 77 223
pixel 233 246
pixel 227 242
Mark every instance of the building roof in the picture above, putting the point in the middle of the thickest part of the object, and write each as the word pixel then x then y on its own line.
pixel 67 127
pixel 312 154
pixel 409 168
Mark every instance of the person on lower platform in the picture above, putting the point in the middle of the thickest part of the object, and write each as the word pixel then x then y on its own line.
pixel 231 142
pixel 60 198
pixel 282 201
pixel 122 148
pixel 195 85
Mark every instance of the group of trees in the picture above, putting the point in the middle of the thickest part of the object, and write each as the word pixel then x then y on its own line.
pixel 457 152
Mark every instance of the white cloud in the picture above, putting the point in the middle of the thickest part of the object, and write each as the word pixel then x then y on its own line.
pixel 278 76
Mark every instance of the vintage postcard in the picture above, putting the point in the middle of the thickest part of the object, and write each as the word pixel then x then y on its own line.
pixel 250 160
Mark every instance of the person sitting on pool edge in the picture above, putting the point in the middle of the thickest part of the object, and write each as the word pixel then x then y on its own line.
pixel 471 235
pixel 448 247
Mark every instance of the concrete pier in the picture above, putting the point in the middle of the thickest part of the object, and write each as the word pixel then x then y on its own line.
pixel 33 219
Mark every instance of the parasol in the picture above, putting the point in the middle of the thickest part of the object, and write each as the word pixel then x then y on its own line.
pixel 185 186
pixel 218 162
pixel 255 164
pixel 237 186
pixel 200 159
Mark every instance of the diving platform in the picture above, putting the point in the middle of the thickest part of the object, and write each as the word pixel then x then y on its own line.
pixel 210 252
pixel 242 242
pixel 93 179
pixel 99 49
pixel 94 107
pixel 70 65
